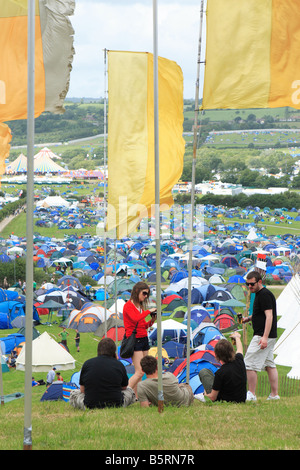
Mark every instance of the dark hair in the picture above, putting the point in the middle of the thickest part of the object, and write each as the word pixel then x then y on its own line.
pixel 149 364
pixel 137 288
pixel 224 351
pixel 254 275
pixel 106 347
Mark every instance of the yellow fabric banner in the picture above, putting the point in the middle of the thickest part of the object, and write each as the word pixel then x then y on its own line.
pixel 5 138
pixel 53 56
pixel 252 54
pixel 131 154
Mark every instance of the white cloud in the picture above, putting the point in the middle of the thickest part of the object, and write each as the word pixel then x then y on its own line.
pixel 128 25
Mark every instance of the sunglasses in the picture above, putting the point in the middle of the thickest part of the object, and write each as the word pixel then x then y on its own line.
pixel 145 293
pixel 252 284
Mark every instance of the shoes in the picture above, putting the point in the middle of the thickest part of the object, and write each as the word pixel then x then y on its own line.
pixel 250 396
pixel 200 396
pixel 276 397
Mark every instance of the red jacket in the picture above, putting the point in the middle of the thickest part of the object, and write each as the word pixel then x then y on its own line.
pixel 132 316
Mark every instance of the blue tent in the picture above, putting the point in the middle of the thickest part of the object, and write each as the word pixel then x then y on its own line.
pixel 195 367
pixel 10 342
pixel 10 310
pixel 54 392
pixel 175 349
pixel 199 315
pixel 205 335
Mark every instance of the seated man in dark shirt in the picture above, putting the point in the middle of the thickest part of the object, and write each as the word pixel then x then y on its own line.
pixel 230 381
pixel 103 381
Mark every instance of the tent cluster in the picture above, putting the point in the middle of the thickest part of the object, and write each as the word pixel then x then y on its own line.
pixel 220 264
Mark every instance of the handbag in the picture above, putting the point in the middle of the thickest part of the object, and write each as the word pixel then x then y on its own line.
pixel 127 345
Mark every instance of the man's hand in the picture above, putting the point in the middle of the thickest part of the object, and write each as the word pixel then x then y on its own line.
pixel 263 342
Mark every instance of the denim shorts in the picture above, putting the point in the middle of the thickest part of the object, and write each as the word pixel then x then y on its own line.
pixel 142 344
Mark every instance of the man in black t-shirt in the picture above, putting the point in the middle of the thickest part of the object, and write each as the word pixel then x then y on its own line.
pixel 259 355
pixel 229 382
pixel 103 381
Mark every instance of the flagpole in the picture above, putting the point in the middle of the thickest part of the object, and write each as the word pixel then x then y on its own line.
pixel 157 206
pixel 27 443
pixel 190 261
pixel 104 191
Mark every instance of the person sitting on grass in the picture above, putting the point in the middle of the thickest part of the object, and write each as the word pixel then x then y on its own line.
pixel 174 393
pixel 103 381
pixel 229 383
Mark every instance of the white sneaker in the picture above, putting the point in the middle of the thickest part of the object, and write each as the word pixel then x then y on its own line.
pixel 276 397
pixel 250 396
pixel 200 396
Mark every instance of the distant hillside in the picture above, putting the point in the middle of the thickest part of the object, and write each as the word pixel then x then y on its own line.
pixel 84 118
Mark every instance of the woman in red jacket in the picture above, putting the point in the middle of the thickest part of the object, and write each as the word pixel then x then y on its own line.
pixel 135 313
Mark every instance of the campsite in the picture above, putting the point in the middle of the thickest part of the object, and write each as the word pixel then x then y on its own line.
pixel 222 259
pixel 131 198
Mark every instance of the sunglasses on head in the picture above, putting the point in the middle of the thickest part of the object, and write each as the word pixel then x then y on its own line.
pixel 252 284
pixel 145 293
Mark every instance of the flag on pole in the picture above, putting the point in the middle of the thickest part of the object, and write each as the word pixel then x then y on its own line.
pixel 53 56
pixel 252 54
pixel 131 152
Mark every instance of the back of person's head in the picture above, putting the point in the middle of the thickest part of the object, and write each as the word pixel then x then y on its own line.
pixel 107 347
pixel 224 351
pixel 149 365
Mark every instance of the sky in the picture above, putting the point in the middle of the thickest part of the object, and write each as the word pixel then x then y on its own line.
pixel 128 25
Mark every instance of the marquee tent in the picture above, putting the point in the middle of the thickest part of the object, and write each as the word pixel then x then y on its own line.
pixel 46 353
pixel 17 166
pixel 45 152
pixel 43 163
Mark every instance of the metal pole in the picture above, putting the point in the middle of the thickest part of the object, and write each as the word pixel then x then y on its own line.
pixel 27 443
pixel 104 190
pixel 190 262
pixel 1 380
pixel 157 206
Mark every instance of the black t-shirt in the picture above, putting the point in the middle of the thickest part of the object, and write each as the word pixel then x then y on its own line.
pixel 230 380
pixel 103 378
pixel 264 300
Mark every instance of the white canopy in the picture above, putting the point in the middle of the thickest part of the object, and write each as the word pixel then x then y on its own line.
pixel 53 201
pixel 46 353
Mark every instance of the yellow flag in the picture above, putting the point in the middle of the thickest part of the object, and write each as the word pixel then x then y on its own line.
pixel 131 154
pixel 53 56
pixel 252 54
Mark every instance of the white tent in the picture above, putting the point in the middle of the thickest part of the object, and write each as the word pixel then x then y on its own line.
pixel 288 303
pixel 46 353
pixel 170 328
pixel 183 284
pixel 287 346
pixel 53 201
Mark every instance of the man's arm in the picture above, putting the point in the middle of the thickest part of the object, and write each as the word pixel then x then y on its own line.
pixel 213 395
pixel 268 325
pixel 239 345
pixel 145 404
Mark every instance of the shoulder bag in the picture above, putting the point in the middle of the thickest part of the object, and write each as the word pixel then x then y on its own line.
pixel 127 345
